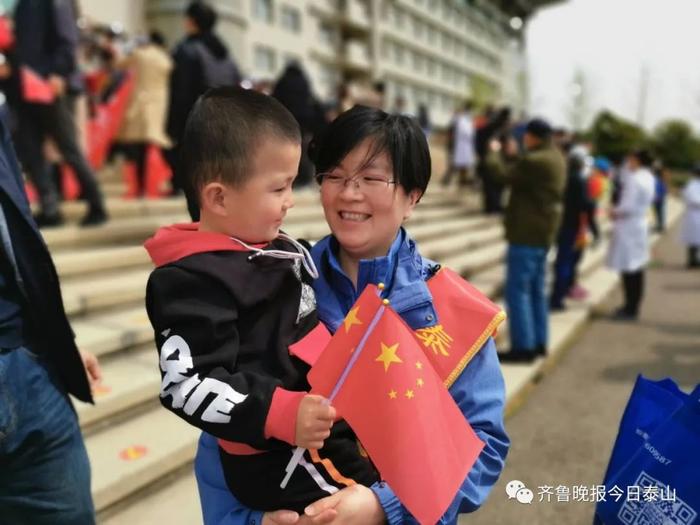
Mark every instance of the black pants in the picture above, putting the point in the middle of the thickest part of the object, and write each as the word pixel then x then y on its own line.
pixel 136 153
pixel 35 123
pixel 491 190
pixel 633 286
pixel 693 258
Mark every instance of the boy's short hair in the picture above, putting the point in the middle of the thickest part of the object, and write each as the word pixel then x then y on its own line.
pixel 223 131
pixel 399 136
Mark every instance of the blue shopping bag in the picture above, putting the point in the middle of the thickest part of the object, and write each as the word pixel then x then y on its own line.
pixel 660 482
pixel 651 403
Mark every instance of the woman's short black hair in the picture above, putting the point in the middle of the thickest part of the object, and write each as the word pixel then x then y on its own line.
pixel 399 136
pixel 223 131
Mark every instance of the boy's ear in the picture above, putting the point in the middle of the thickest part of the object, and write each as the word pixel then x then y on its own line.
pixel 213 198
pixel 413 198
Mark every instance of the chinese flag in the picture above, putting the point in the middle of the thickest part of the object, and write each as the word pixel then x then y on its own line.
pixel 381 383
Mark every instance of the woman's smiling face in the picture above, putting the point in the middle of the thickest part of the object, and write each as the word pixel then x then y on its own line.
pixel 363 203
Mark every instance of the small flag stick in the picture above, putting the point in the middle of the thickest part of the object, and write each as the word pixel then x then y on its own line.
pixel 299 451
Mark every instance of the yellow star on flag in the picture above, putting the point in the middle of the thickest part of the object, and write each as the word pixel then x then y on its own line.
pixel 389 356
pixel 419 365
pixel 409 394
pixel 351 319
pixel 419 382
pixel 392 394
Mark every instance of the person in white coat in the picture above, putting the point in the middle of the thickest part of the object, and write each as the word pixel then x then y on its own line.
pixel 629 248
pixel 460 142
pixel 690 228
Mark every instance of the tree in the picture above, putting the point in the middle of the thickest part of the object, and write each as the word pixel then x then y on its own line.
pixel 674 143
pixel 615 137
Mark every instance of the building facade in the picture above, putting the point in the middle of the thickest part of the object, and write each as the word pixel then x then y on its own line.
pixel 432 52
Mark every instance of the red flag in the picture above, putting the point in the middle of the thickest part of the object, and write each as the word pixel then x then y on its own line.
pixel 398 406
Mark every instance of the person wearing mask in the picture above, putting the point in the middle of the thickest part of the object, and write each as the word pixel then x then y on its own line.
pixel 533 214
pixel 629 246
pixel 46 45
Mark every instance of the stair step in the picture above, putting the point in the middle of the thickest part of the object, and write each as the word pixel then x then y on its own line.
pixel 162 441
pixel 100 259
pixel 112 331
pixel 78 263
pixel 130 379
pixel 93 293
pixel 175 503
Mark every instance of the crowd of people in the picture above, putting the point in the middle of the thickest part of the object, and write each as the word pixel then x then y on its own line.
pixel 372 168
pixel 552 189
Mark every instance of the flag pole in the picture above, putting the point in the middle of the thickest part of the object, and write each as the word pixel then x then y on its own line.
pixel 299 451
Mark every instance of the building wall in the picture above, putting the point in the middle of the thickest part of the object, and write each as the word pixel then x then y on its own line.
pixel 427 51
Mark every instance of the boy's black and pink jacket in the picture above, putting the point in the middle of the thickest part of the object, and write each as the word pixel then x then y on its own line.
pixel 236 334
pixel 228 326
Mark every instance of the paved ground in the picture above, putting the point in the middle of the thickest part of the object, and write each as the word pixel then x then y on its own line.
pixel 563 433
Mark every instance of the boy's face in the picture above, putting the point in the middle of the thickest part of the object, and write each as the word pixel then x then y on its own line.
pixel 254 212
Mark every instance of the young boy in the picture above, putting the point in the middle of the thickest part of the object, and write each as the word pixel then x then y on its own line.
pixel 234 316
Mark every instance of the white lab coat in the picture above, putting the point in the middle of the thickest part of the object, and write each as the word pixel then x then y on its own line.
pixel 690 229
pixel 629 247
pixel 463 155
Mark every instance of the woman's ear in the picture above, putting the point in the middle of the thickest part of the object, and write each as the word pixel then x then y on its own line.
pixel 413 198
pixel 213 198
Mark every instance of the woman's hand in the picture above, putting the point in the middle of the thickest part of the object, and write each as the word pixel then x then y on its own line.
pixel 356 505
pixel 288 517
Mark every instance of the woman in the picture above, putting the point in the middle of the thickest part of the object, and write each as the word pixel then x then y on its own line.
pixel 144 121
pixel 629 248
pixel 690 230
pixel 373 169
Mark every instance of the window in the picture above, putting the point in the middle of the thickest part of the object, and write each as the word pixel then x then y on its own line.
pixel 290 19
pixel 432 67
pixel 432 34
pixel 264 59
pixel 262 10
pixel 386 49
pixel 398 54
pixel 400 18
pixel 327 34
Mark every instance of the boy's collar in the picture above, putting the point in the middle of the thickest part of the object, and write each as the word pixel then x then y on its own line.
pixel 177 241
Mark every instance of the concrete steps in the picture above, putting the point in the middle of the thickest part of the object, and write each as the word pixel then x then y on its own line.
pixel 103 273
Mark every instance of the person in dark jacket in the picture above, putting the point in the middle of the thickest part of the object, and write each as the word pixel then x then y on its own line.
pixel 44 468
pixel 578 214
pixel 293 90
pixel 537 181
pixel 47 41
pixel 491 188
pixel 200 61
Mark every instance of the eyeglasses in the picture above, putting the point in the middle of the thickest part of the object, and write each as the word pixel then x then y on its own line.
pixel 363 183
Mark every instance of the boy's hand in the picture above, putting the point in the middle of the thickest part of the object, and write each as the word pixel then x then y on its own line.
pixel 314 421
